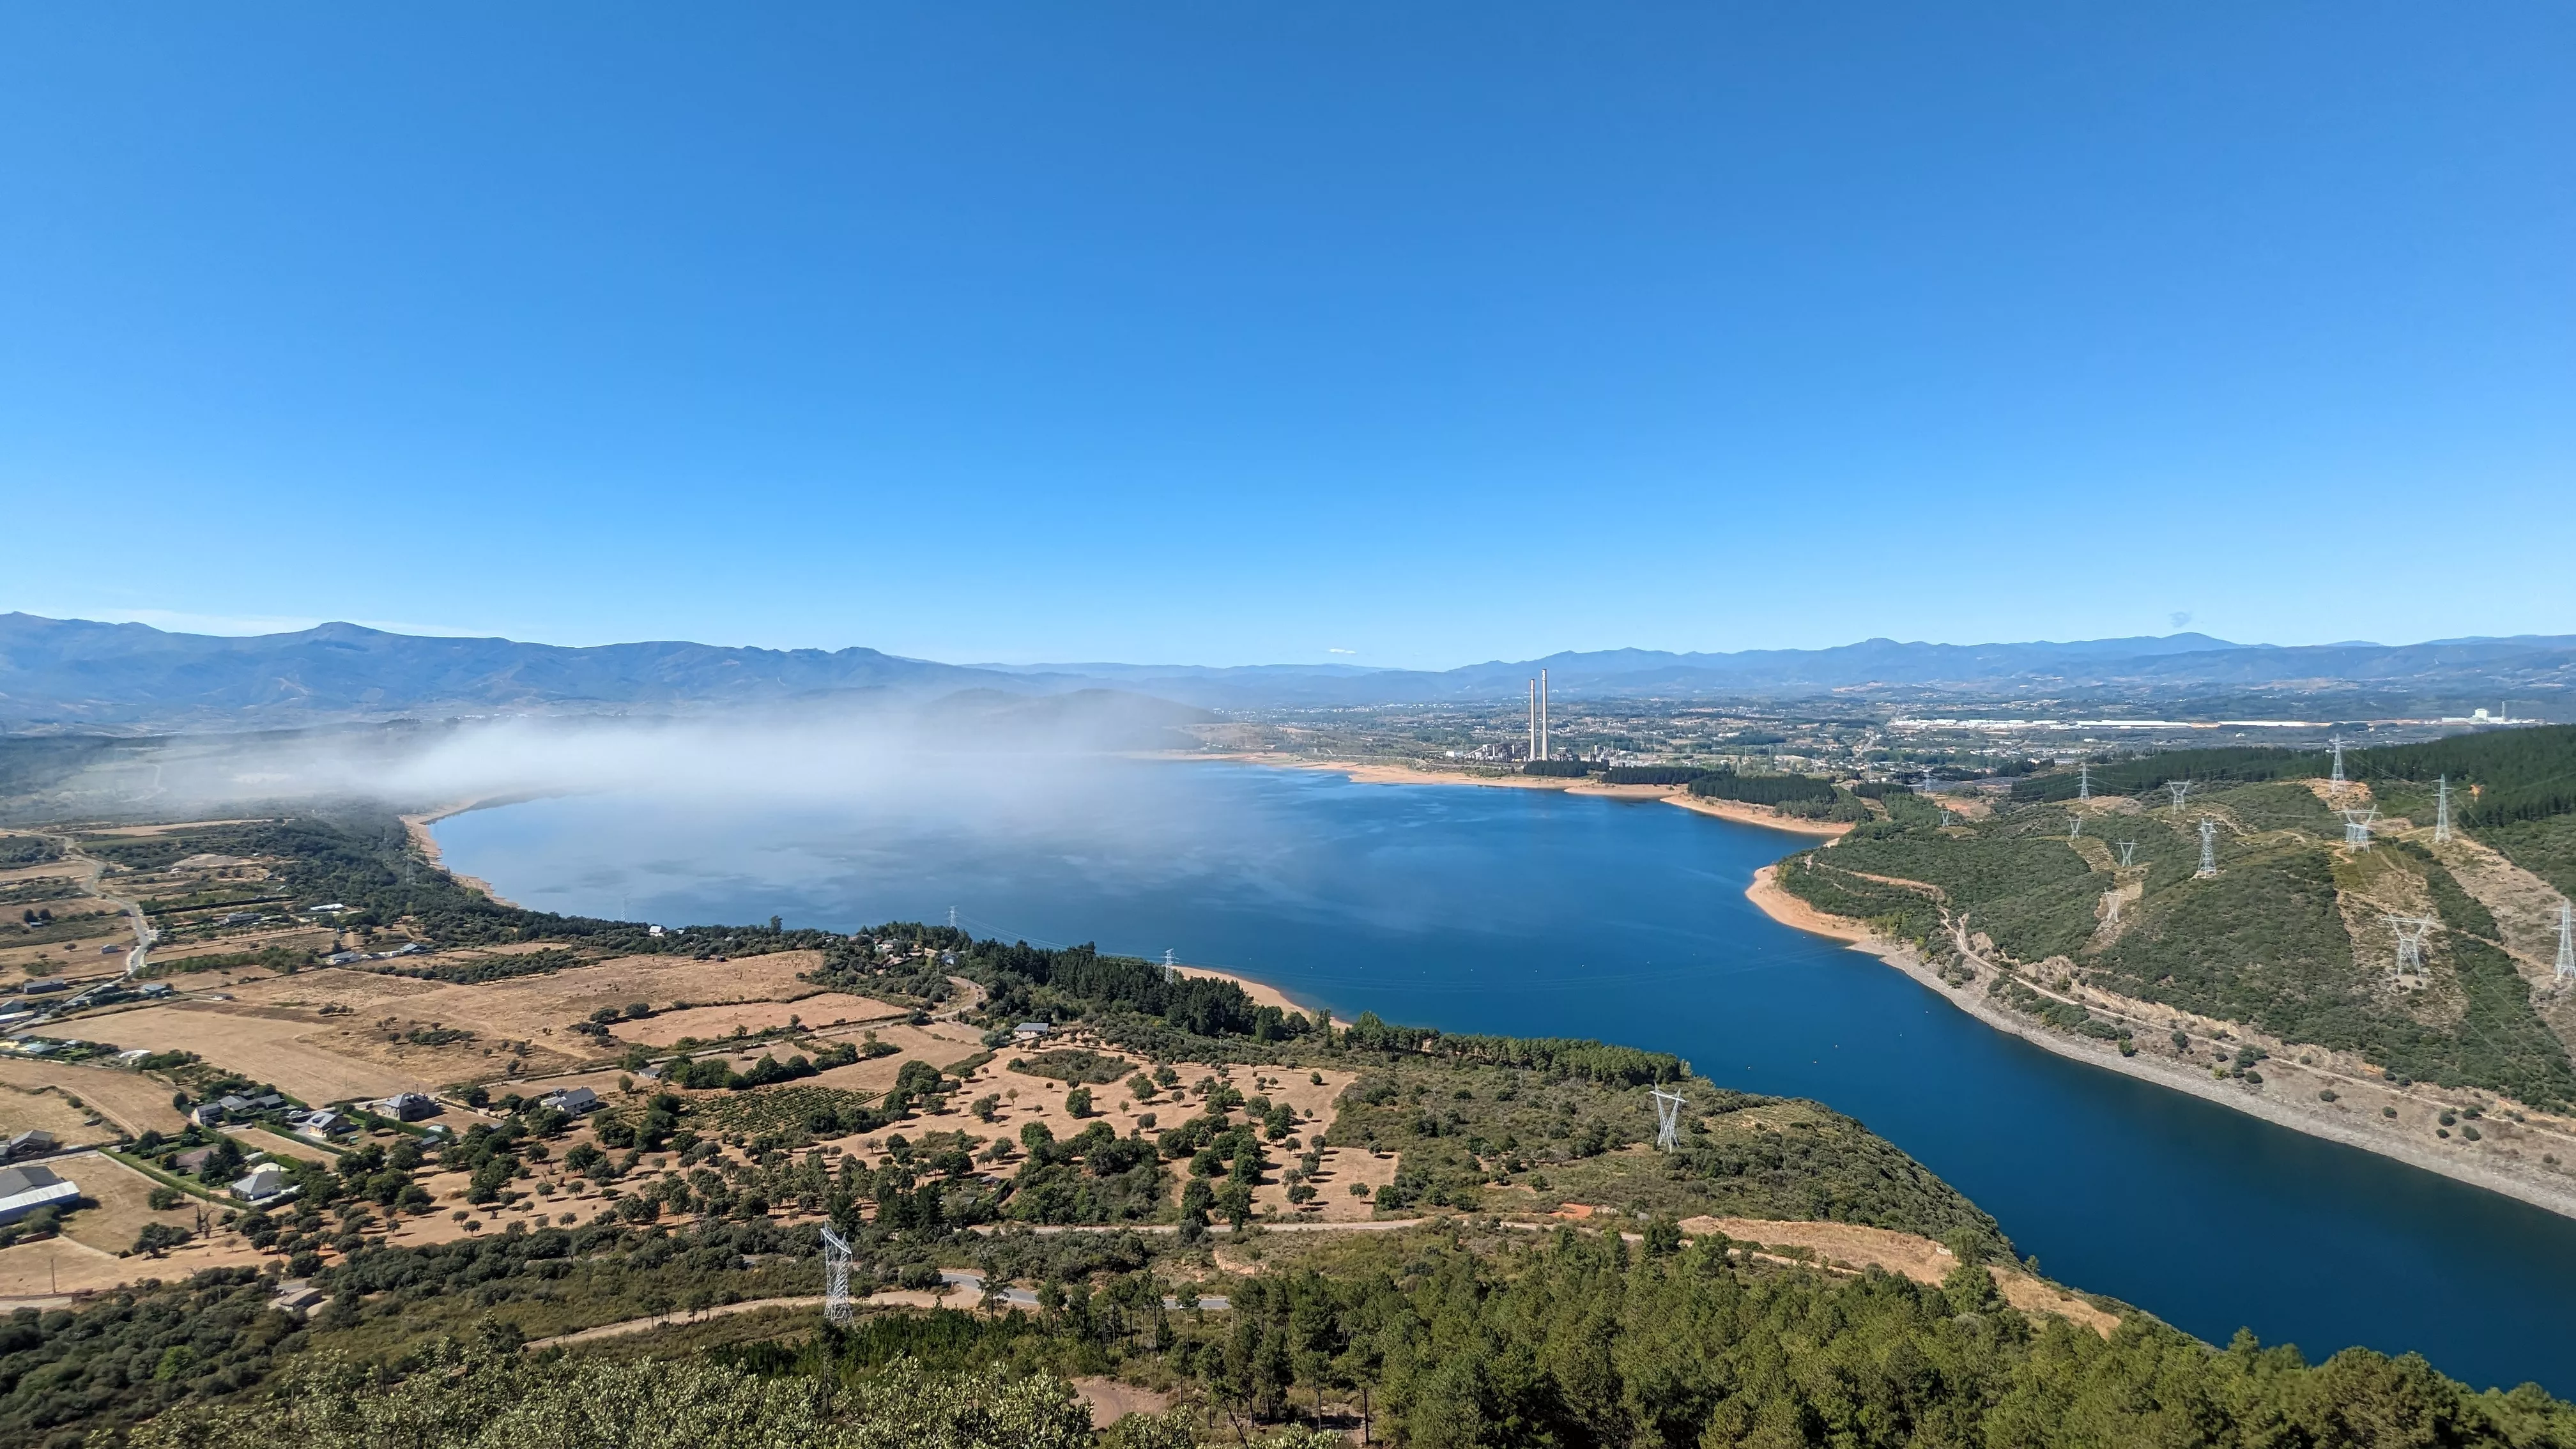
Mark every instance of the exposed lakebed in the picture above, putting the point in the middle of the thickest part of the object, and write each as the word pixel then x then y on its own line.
pixel 1534 913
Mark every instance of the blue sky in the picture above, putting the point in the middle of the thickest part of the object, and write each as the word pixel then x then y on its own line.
pixel 1234 332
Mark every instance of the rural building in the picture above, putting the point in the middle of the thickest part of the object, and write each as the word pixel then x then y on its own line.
pixel 33 1142
pixel 192 1160
pixel 343 958
pixel 24 1190
pixel 262 1183
pixel 319 1123
pixel 295 1297
pixel 1031 1030
pixel 571 1100
pixel 407 1106
pixel 206 1114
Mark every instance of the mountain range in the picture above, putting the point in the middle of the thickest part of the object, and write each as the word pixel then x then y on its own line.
pixel 70 674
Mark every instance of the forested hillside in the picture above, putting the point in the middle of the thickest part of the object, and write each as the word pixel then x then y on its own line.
pixel 2290 932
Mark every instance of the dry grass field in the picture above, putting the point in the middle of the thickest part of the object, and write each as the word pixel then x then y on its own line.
pixel 308 1056
pixel 333 1034
pixel 23 1108
pixel 711 1023
pixel 131 1100
pixel 123 1198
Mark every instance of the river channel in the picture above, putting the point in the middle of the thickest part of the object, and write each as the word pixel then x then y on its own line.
pixel 1535 913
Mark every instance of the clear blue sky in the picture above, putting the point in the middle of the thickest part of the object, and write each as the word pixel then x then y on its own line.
pixel 1245 332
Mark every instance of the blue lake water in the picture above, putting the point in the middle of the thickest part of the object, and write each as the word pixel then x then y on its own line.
pixel 1534 913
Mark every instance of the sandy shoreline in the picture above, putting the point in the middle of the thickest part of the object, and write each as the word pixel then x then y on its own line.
pixel 417 827
pixel 1262 993
pixel 2287 1098
pixel 1358 773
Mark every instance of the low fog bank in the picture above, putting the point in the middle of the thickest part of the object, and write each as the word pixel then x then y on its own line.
pixel 996 746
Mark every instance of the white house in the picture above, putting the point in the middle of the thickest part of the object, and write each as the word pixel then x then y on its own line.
pixel 263 1183
pixel 572 1101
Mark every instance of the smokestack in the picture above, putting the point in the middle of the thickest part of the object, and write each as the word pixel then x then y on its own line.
pixel 1542 716
pixel 1532 752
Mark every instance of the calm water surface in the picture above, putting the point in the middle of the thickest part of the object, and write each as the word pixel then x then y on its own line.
pixel 1533 913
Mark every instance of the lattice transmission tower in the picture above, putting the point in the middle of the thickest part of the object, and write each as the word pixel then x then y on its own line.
pixel 836 1278
pixel 2337 779
pixel 2084 780
pixel 2180 790
pixel 1668 1120
pixel 2410 932
pixel 1171 968
pixel 2356 826
pixel 2208 848
pixel 2566 943
pixel 2128 853
pixel 2442 810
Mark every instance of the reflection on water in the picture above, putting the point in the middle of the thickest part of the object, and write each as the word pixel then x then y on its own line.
pixel 1539 914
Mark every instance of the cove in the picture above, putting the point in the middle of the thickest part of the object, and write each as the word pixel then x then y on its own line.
pixel 1535 913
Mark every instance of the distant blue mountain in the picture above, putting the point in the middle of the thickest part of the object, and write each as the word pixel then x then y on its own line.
pixel 74 674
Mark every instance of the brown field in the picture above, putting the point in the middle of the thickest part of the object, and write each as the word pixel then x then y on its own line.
pixel 278 1144
pixel 709 1023
pixel 276 1031
pixel 306 1056
pixel 132 1101
pixel 1918 1258
pixel 122 1210
pixel 22 1108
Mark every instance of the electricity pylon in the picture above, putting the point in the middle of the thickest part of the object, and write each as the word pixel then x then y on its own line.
pixel 2442 811
pixel 2208 848
pixel 1668 1120
pixel 2128 853
pixel 2083 780
pixel 2410 932
pixel 2337 780
pixel 836 1278
pixel 2566 943
pixel 1171 968
pixel 2074 826
pixel 2179 789
pixel 2110 908
pixel 2356 826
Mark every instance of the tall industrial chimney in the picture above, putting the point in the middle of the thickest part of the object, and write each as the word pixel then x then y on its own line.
pixel 1542 716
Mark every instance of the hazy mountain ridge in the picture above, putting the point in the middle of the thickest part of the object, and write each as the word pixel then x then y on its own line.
pixel 75 674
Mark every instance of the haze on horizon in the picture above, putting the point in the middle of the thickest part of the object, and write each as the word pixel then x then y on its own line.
pixel 1260 334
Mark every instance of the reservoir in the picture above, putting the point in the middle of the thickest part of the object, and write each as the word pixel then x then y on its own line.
pixel 1533 913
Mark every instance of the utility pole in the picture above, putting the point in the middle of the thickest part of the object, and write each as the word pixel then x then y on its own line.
pixel 2442 810
pixel 2208 848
